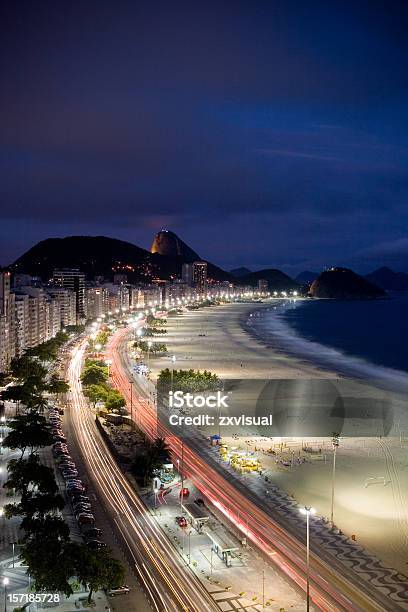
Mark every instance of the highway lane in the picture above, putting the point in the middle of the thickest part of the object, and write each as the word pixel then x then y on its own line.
pixel 171 585
pixel 333 586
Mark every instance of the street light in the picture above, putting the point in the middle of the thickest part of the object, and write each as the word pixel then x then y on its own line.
pixel 108 363
pixel 149 346
pixel 131 400
pixel 173 361
pixel 5 583
pixel 307 511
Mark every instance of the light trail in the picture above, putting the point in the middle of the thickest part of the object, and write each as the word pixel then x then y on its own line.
pixel 170 584
pixel 331 590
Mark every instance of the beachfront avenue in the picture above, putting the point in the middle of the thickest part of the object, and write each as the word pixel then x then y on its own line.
pixel 201 420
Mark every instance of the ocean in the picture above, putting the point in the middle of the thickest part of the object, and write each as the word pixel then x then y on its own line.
pixel 367 339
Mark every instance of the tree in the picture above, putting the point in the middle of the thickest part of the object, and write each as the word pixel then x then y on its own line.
pixel 28 430
pixel 48 526
pixel 96 393
pixel 36 402
pixel 51 562
pixel 94 375
pixel 57 386
pixel 26 368
pixel 97 569
pixel 17 393
pixel 154 348
pixel 150 460
pixel 35 505
pixel 114 400
pixel 189 381
pixel 37 486
pixel 48 351
pixel 25 472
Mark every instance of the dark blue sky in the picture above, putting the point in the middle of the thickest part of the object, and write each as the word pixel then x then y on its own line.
pixel 263 133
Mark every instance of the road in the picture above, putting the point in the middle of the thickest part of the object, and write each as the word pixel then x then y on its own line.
pixel 334 587
pixel 169 583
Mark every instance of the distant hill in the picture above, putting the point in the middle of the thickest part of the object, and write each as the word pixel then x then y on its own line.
pixel 306 277
pixel 388 279
pixel 238 272
pixel 344 284
pixel 102 256
pixel 277 280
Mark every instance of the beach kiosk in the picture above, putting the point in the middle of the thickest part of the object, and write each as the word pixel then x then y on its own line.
pixel 222 545
pixel 196 515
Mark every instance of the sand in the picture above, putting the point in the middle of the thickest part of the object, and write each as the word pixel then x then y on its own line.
pixel 216 339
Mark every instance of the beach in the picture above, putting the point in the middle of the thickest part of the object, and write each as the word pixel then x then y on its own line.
pixel 372 474
pixel 214 339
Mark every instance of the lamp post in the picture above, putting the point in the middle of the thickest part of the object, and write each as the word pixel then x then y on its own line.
pixel 149 346
pixel 131 399
pixel 307 511
pixel 335 445
pixel 263 589
pixel 182 473
pixel 173 361
pixel 5 583
pixel 108 363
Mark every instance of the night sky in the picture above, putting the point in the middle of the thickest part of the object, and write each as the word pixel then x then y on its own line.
pixel 265 134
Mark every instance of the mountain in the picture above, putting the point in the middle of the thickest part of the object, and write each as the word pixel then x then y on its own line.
pixel 388 279
pixel 170 245
pixel 277 280
pixel 306 277
pixel 238 272
pixel 102 256
pixel 344 284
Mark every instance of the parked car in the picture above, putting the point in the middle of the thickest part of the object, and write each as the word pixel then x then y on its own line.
pixel 181 521
pixel 85 519
pixel 59 437
pixel 96 544
pixel 60 452
pixel 68 474
pixel 119 590
pixel 199 502
pixel 78 497
pixel 62 448
pixel 83 511
pixel 184 492
pixel 74 481
pixel 66 463
pixel 81 506
pixel 72 485
pixel 92 533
